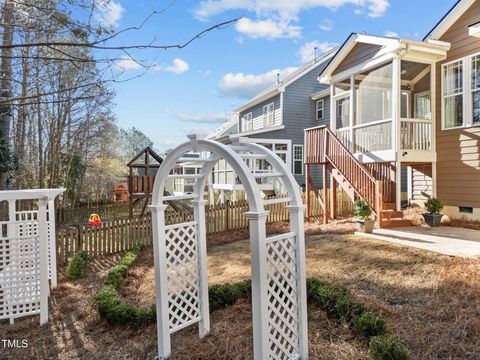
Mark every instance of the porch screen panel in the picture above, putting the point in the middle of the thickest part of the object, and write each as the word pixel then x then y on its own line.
pixel 374 95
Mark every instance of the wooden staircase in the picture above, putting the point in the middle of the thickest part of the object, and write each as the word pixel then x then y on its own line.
pixel 324 147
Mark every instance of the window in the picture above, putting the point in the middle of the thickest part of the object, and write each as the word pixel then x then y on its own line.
pixel 476 89
pixel 452 104
pixel 298 159
pixel 247 122
pixel 320 109
pixel 269 114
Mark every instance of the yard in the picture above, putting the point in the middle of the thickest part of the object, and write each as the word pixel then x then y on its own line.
pixel 431 302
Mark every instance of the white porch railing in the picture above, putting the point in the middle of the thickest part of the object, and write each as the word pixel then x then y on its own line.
pixel 416 134
pixel 371 137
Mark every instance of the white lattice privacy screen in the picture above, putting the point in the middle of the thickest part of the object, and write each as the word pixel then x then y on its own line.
pixel 182 275
pixel 27 253
pixel 278 262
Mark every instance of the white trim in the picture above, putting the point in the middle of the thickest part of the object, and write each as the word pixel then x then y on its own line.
pixel 273 142
pixel 259 131
pixel 474 30
pixel 321 94
pixel 450 19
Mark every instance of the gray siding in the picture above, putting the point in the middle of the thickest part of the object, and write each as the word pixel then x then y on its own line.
pixel 257 111
pixel 299 114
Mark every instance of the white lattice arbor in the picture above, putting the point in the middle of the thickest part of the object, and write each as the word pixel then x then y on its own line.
pixel 27 253
pixel 279 307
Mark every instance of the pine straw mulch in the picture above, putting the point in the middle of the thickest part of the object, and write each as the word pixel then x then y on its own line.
pixel 312 227
pixel 430 301
pixel 415 214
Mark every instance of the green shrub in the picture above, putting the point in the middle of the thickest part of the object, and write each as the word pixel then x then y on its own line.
pixel 325 295
pixel 111 307
pixel 368 325
pixel 76 265
pixel 221 296
pixel 433 206
pixel 362 209
pixel 347 307
pixel 387 347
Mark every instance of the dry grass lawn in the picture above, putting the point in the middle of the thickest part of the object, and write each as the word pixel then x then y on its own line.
pixel 432 302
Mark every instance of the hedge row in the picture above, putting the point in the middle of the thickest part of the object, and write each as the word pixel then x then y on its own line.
pixel 335 300
pixel 109 304
pixel 76 265
pixel 340 303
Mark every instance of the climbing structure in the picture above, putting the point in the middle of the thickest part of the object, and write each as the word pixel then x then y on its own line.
pixel 278 262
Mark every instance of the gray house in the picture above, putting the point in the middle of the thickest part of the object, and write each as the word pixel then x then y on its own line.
pixel 278 116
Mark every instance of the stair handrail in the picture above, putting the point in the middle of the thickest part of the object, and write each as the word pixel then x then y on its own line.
pixel 372 192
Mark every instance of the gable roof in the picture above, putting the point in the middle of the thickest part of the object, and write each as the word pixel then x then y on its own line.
pixel 457 10
pixel 386 44
pixel 278 88
pixel 148 150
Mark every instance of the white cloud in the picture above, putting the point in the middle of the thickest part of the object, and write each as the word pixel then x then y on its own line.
pixel 109 12
pixel 245 86
pixel 127 64
pixel 284 8
pixel 268 29
pixel 179 66
pixel 307 50
pixel 326 25
pixel 392 34
pixel 213 118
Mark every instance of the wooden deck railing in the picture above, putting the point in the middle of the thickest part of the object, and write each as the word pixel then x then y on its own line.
pixel 323 147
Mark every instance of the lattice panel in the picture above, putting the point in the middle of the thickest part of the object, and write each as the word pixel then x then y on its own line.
pixel 32 215
pixel 283 320
pixel 182 275
pixel 19 269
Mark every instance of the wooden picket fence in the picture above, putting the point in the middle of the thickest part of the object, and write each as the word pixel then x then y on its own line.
pixel 122 234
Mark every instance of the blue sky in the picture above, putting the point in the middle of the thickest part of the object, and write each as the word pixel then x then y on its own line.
pixel 191 90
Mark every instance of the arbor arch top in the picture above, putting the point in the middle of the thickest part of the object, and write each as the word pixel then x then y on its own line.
pixel 278 262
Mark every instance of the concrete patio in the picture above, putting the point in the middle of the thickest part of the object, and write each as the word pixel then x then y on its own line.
pixel 444 240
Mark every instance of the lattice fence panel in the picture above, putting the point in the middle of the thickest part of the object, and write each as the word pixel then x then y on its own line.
pixel 182 275
pixel 19 268
pixel 31 215
pixel 283 318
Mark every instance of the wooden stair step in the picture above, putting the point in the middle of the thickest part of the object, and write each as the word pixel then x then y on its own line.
pixel 392 214
pixel 389 206
pixel 393 223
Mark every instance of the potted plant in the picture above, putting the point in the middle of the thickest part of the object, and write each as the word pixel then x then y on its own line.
pixel 433 217
pixel 363 212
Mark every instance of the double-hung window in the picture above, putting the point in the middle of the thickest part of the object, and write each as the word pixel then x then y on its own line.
pixel 269 114
pixel 320 109
pixel 452 96
pixel 476 90
pixel 298 159
pixel 247 122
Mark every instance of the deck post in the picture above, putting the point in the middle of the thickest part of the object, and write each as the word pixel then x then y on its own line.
pixel 325 194
pixel 307 189
pixel 379 201
pixel 333 197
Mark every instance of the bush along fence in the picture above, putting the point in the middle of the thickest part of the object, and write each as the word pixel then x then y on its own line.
pixel 123 234
pixel 337 301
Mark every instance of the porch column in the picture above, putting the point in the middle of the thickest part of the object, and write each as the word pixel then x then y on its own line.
pixel 396 114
